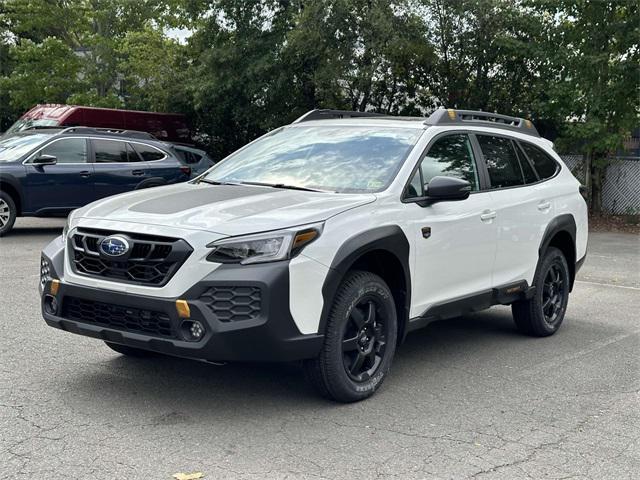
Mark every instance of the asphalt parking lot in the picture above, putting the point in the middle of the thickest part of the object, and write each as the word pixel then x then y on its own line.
pixel 467 398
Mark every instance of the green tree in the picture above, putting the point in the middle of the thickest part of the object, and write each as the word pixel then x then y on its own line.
pixel 594 50
pixel 489 56
pixel 45 72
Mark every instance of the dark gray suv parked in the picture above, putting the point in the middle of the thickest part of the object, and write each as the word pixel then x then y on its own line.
pixel 49 172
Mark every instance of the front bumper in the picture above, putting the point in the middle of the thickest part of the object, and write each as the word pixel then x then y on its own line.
pixel 269 334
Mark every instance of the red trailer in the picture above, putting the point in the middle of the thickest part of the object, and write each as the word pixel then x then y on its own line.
pixel 171 127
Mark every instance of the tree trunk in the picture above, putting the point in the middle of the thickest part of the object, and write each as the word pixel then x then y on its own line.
pixel 597 177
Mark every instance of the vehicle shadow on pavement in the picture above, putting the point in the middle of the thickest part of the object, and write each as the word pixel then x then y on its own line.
pixel 179 385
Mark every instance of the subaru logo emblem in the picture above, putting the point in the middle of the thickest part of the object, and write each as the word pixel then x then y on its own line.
pixel 114 246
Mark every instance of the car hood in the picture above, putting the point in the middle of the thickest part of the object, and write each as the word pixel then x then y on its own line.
pixel 222 209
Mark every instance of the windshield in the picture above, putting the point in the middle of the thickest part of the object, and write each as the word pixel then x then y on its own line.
pixel 334 158
pixel 12 148
pixel 25 123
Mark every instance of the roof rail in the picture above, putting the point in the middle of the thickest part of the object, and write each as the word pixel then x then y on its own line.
pixel 451 116
pixel 116 132
pixel 41 127
pixel 326 114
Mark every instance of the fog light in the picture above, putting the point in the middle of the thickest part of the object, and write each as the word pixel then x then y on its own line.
pixel 197 330
pixel 45 271
pixel 192 330
pixel 50 304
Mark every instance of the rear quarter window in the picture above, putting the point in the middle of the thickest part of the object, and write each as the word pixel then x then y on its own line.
pixel 148 153
pixel 544 164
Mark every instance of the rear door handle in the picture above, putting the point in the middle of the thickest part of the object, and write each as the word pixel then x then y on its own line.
pixel 488 215
pixel 138 172
pixel 85 173
pixel 544 206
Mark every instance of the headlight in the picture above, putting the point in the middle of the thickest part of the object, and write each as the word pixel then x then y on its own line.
pixel 266 247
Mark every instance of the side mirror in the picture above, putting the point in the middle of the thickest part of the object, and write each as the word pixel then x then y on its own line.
pixel 42 160
pixel 441 189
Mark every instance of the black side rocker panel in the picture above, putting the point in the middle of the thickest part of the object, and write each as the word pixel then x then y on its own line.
pixel 504 295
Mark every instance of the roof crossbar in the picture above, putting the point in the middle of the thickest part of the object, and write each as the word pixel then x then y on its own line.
pixel 327 114
pixel 481 119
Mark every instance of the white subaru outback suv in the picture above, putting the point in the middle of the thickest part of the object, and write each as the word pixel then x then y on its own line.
pixel 327 241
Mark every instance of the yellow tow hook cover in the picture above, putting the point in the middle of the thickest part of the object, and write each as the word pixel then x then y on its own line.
pixel 54 287
pixel 182 307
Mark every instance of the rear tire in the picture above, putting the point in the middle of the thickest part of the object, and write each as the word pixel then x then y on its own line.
pixel 130 351
pixel 8 213
pixel 543 314
pixel 360 340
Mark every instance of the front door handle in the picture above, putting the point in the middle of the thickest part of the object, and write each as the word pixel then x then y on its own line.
pixel 138 172
pixel 544 206
pixel 85 173
pixel 488 215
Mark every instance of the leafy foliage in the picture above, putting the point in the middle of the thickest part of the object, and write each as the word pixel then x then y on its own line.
pixel 247 67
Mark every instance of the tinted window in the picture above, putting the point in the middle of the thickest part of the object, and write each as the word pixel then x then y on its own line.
pixel 543 163
pixel 502 162
pixel 527 170
pixel 110 151
pixel 12 148
pixel 336 158
pixel 450 156
pixel 69 150
pixel 188 157
pixel 148 153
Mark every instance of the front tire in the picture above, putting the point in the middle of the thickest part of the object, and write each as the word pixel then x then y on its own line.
pixel 8 213
pixel 360 340
pixel 543 314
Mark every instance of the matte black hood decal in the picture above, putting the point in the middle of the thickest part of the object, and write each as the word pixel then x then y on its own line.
pixel 180 201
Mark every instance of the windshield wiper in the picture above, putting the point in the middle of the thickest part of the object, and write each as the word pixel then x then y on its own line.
pixel 214 182
pixel 284 185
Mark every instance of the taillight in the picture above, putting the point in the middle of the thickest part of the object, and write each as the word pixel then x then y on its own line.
pixel 186 170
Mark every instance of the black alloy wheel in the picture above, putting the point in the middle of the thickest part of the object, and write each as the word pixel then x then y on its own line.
pixel 542 314
pixel 364 340
pixel 554 296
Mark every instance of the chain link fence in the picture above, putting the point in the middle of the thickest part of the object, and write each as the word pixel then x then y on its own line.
pixel 621 184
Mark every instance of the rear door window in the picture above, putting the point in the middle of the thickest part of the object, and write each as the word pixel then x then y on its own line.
pixel 68 150
pixel 501 160
pixel 110 151
pixel 543 163
pixel 148 153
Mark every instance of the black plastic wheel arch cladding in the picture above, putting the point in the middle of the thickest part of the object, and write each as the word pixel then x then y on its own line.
pixel 389 238
pixel 562 223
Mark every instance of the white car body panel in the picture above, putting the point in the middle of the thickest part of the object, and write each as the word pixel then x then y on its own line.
pixel 464 255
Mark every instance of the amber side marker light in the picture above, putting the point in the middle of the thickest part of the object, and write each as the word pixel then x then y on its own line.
pixel 54 287
pixel 452 113
pixel 182 307
pixel 528 123
pixel 303 238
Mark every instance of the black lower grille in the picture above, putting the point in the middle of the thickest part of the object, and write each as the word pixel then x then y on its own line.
pixel 233 304
pixel 149 260
pixel 118 317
